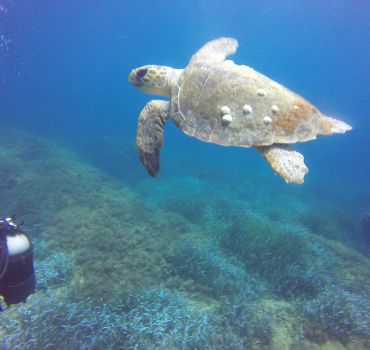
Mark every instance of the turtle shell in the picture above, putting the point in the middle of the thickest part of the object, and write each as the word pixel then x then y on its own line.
pixel 261 111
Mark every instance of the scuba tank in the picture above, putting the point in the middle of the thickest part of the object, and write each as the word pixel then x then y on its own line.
pixel 17 276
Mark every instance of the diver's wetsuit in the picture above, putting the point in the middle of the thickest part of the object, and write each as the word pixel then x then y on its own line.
pixel 4 258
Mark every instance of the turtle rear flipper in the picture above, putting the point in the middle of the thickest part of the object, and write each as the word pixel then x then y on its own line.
pixel 149 136
pixel 215 50
pixel 285 161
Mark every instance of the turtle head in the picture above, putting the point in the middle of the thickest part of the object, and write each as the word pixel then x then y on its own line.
pixel 154 80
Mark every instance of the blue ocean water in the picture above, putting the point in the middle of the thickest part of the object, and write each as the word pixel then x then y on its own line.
pixel 63 77
pixel 64 66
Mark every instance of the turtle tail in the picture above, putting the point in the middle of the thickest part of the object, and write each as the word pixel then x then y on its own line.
pixel 328 126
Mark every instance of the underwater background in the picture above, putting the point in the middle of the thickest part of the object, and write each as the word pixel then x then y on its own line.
pixel 216 252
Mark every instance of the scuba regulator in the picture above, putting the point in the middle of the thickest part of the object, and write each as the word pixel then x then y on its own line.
pixel 17 276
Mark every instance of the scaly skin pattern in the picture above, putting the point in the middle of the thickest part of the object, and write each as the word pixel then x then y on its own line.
pixel 149 136
pixel 286 162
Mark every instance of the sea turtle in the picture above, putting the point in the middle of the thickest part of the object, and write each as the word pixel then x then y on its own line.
pixel 218 101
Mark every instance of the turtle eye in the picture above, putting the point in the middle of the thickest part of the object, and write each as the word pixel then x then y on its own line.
pixel 141 73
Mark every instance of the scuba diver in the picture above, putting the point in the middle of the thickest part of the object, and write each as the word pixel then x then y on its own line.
pixel 17 275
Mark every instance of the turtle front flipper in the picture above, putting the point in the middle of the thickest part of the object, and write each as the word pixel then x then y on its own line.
pixel 149 136
pixel 285 161
pixel 215 51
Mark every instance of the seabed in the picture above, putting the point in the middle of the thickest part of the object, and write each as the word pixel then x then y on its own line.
pixel 152 267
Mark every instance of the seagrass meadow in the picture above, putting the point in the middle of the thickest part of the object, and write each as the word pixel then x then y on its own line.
pixel 114 271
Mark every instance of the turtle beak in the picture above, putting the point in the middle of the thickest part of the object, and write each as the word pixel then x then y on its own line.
pixel 133 79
